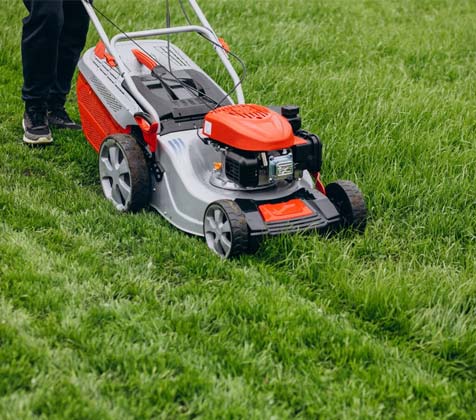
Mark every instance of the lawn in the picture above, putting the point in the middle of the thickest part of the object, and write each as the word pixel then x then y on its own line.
pixel 112 316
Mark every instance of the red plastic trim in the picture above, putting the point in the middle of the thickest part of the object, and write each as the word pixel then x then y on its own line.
pixel 101 53
pixel 96 120
pixel 224 45
pixel 292 209
pixel 149 132
pixel 319 184
pixel 145 59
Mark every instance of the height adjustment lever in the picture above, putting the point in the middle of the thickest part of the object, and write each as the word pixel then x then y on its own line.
pixel 149 128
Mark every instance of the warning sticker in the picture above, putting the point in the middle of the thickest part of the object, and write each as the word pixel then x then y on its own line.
pixel 207 128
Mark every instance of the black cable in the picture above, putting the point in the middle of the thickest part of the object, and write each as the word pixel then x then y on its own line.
pixel 235 56
pixel 184 85
pixel 168 24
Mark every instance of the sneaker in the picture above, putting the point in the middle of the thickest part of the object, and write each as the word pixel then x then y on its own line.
pixel 59 118
pixel 35 126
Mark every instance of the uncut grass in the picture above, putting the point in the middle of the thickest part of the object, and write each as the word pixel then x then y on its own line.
pixel 106 315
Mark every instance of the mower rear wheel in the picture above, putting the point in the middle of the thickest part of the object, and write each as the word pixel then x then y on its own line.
pixel 350 203
pixel 225 229
pixel 124 173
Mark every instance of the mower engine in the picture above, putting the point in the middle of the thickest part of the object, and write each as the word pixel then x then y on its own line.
pixel 261 146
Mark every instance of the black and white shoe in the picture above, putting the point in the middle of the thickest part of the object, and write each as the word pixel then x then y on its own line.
pixel 35 126
pixel 59 118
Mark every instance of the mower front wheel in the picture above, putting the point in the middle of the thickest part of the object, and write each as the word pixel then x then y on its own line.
pixel 225 229
pixel 349 202
pixel 124 173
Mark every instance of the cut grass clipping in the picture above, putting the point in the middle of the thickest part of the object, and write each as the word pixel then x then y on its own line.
pixel 105 315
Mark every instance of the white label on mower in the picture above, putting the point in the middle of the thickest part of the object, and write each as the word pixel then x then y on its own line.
pixel 207 128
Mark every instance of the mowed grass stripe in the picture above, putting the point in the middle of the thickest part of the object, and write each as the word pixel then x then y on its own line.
pixel 251 307
pixel 125 346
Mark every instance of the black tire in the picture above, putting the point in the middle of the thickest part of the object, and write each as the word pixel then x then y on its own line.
pixel 233 240
pixel 254 243
pixel 129 190
pixel 350 203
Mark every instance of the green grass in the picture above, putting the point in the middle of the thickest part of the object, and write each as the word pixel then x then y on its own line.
pixel 104 315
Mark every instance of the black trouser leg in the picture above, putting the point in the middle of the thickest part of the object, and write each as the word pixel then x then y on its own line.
pixel 40 38
pixel 53 36
pixel 71 43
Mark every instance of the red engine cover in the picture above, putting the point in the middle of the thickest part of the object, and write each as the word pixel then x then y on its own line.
pixel 253 128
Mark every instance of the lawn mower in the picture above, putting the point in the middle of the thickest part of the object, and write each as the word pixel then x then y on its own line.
pixel 169 137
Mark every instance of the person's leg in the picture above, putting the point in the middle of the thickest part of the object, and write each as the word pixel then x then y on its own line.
pixel 40 39
pixel 71 43
pixel 39 46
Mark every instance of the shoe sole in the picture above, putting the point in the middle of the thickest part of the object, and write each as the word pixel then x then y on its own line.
pixel 39 140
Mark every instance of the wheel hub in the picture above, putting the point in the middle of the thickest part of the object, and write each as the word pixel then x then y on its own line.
pixel 218 231
pixel 115 175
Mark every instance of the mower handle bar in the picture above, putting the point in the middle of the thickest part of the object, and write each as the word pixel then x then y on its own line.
pixel 205 30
